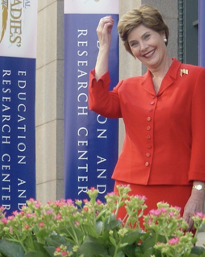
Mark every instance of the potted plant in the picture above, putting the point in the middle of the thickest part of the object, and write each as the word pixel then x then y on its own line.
pixel 90 228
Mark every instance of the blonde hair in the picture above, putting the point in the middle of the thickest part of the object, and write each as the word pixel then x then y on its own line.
pixel 145 15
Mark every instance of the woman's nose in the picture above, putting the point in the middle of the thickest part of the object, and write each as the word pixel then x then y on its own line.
pixel 143 46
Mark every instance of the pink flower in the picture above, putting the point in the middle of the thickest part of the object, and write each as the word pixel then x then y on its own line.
pixel 26 226
pixel 155 212
pixel 177 208
pixel 85 209
pixel 2 208
pixel 111 193
pixel 58 217
pixel 200 215
pixel 58 249
pixel 31 200
pixel 28 215
pixel 124 185
pixel 142 197
pixel 41 224
pixel 98 201
pixel 173 241
pixel 11 229
pixel 37 205
pixel 69 202
pixel 10 217
pixel 171 214
pixel 58 203
pixel 15 213
pixel 150 221
pixel 64 253
pixel 163 209
pixel 49 212
pixel 85 200
pixel 77 223
pixel 4 220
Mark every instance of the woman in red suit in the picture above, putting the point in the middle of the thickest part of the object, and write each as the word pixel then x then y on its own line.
pixel 163 155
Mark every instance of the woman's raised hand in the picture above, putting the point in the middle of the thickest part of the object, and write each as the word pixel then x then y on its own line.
pixel 104 35
pixel 104 32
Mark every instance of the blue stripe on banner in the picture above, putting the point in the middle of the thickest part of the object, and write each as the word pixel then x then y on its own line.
pixel 17 132
pixel 91 141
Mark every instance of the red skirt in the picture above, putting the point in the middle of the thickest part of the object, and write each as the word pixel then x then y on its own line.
pixel 176 196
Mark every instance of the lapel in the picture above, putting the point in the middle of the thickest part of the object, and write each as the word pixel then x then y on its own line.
pixel 168 80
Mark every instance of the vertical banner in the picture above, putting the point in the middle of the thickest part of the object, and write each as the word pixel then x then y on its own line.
pixel 18 25
pixel 91 141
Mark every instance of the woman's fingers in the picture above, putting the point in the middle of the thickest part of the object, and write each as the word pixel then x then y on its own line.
pixel 105 26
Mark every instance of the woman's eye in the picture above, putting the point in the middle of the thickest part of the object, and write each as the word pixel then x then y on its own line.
pixel 147 36
pixel 133 44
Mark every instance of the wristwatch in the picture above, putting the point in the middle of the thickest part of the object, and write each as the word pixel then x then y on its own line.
pixel 199 187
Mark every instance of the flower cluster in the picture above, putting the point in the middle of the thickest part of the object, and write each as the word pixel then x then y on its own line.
pixel 88 227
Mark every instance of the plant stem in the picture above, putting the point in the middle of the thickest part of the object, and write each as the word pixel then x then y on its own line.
pixel 20 242
pixel 116 249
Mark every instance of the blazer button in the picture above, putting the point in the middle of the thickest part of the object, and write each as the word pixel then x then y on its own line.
pixel 148 128
pixel 146 164
pixel 152 102
pixel 149 146
pixel 149 118
pixel 148 155
pixel 148 137
pixel 150 110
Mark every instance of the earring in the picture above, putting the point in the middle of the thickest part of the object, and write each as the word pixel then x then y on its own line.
pixel 165 40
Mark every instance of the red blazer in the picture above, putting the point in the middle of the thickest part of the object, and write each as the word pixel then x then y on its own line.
pixel 164 133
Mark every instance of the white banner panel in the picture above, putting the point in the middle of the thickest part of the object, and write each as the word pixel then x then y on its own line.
pixel 91 6
pixel 18 27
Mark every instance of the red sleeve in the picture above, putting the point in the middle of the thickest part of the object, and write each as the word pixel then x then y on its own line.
pixel 197 163
pixel 101 100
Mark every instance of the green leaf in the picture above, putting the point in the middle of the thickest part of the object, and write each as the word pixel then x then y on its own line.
pixel 132 237
pixel 11 249
pixel 148 243
pixel 91 248
pixel 148 252
pixel 99 227
pixel 111 250
pixel 75 233
pixel 120 254
pixel 57 240
pixel 197 250
pixel 36 254
pixel 38 246
pixel 90 230
pixel 113 241
pixel 50 250
pixel 40 234
pixel 29 243
pixel 195 255
pixel 129 250
pixel 112 224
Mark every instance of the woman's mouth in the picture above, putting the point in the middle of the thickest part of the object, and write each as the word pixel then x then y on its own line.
pixel 149 54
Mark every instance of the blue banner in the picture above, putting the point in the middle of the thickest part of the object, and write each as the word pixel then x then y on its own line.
pixel 17 70
pixel 201 37
pixel 90 140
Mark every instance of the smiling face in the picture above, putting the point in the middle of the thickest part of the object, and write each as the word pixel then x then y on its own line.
pixel 148 46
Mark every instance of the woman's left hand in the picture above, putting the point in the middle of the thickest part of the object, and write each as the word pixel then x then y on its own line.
pixel 194 204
